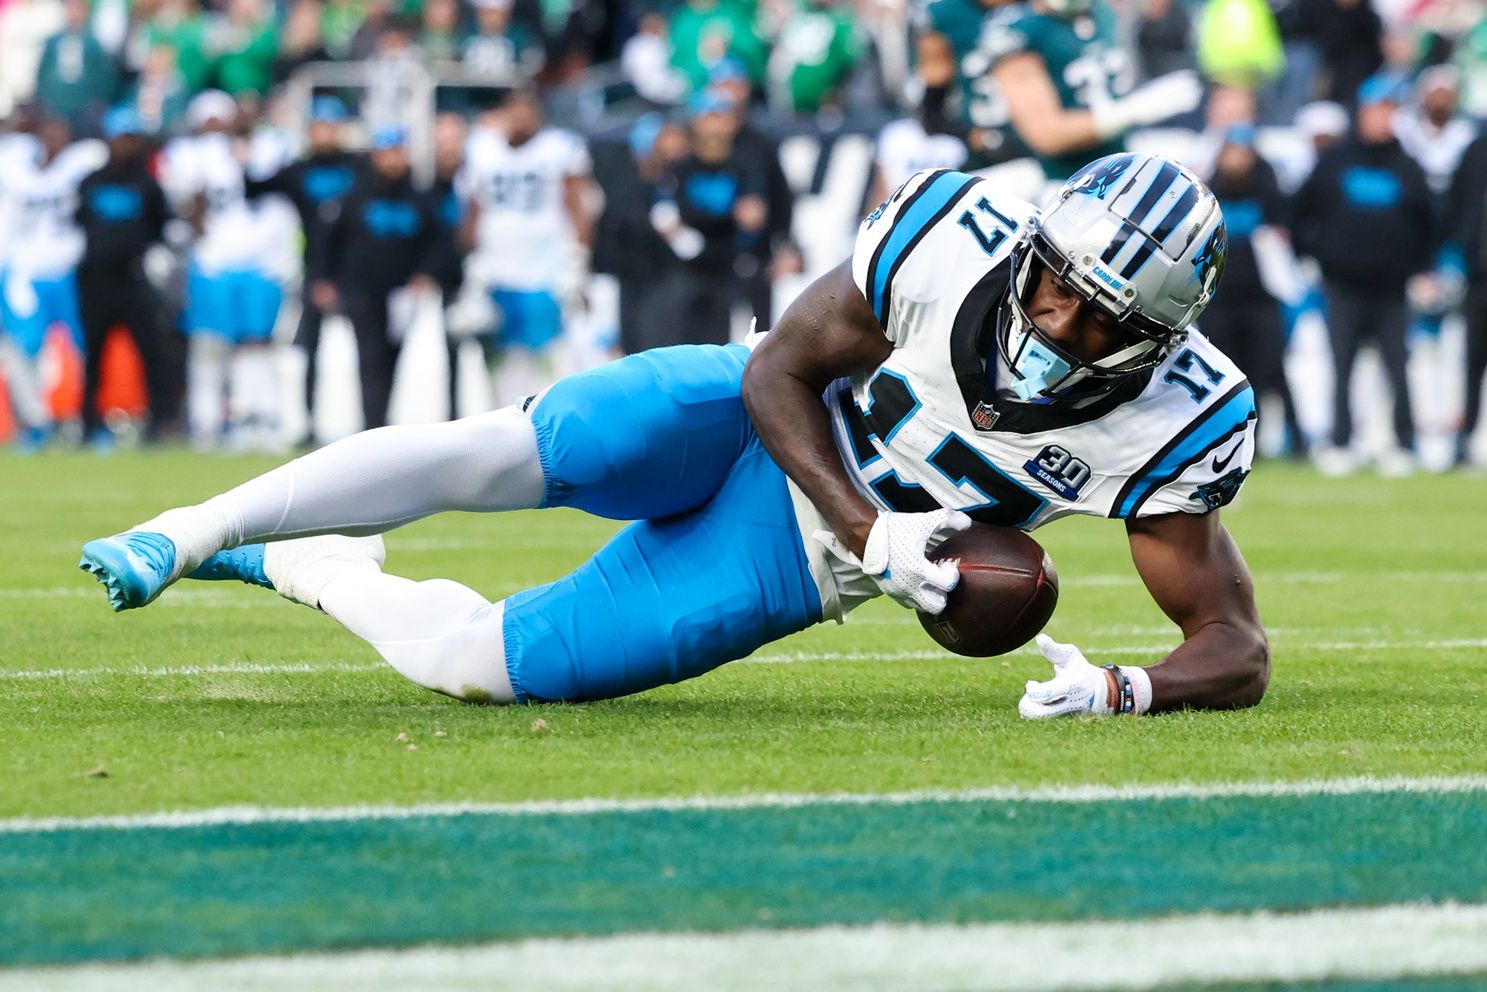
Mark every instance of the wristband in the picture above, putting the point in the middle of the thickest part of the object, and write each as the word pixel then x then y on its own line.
pixel 1134 689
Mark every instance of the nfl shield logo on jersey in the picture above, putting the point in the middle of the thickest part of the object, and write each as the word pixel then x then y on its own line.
pixel 984 417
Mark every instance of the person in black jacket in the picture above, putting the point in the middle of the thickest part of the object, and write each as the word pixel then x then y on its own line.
pixel 1466 238
pixel 1365 214
pixel 382 242
pixel 316 185
pixel 122 212
pixel 1244 320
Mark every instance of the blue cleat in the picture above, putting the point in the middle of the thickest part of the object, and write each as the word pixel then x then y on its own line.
pixel 245 564
pixel 134 567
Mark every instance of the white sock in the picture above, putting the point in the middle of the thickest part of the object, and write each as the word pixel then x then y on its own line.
pixel 369 483
pixel 23 382
pixel 206 381
pixel 438 633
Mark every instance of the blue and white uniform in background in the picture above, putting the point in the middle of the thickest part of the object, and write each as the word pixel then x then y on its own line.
pixel 40 247
pixel 524 239
pixel 230 293
pixel 721 560
pixel 234 289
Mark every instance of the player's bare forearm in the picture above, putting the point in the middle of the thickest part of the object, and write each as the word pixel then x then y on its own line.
pixel 1194 571
pixel 1033 105
pixel 828 332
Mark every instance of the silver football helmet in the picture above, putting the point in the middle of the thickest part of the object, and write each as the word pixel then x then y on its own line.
pixel 1137 235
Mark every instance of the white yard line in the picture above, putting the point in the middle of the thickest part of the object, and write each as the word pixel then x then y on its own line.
pixel 788 800
pixel 1371 944
pixel 1154 651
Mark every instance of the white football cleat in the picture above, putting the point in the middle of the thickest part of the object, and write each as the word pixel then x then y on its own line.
pixel 301 569
pixel 1335 463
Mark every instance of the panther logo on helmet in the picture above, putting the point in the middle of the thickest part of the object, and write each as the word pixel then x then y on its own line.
pixel 1096 178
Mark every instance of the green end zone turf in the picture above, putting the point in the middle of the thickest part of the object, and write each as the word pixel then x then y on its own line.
pixel 278 887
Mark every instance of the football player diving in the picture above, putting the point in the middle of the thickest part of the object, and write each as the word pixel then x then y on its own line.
pixel 974 360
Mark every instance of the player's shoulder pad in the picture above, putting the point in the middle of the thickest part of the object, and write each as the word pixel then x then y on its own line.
pixel 1211 447
pixel 890 241
pixel 1009 30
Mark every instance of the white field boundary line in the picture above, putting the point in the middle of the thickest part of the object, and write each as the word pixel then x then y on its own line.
pixel 1153 651
pixel 220 593
pixel 237 815
pixel 1367 944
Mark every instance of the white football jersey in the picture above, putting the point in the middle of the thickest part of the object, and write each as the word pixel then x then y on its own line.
pixel 928 429
pixel 41 205
pixel 904 148
pixel 523 235
pixel 232 237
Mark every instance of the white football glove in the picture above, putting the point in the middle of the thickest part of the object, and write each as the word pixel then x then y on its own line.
pixel 1076 686
pixel 1161 98
pixel 895 556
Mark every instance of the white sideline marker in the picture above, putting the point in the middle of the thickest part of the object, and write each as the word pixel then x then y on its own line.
pixel 1369 944
pixel 220 815
pixel 1153 651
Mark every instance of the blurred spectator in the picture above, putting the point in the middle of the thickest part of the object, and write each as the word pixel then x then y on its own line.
pixel 25 25
pixel 1320 125
pixel 761 155
pixel 1239 43
pixel 317 185
pixel 300 41
pixel 1365 215
pixel 392 95
pixel 178 25
pixel 442 33
pixel 1245 319
pixel 626 246
pixel 447 263
pixel 1164 31
pixel 1431 130
pixel 646 59
pixel 377 18
pixel 245 44
pixel 122 213
pixel 573 33
pixel 923 141
pixel 77 79
pixel 1471 60
pixel 1466 240
pixel 159 94
pixel 39 288
pixel 1351 37
pixel 501 48
pixel 705 32
pixel 378 256
pixel 233 293
pixel 1227 107
pixel 713 207
pixel 339 22
pixel 949 53
pixel 817 47
pixel 1301 25
pixel 525 185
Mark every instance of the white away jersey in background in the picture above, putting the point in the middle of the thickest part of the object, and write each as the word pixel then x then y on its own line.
pixel 904 149
pixel 233 238
pixel 926 429
pixel 522 235
pixel 39 206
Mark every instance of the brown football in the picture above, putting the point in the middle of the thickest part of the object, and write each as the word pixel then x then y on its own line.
pixel 1007 592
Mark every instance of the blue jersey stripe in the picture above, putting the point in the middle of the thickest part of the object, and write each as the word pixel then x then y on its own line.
pixel 1222 421
pixel 933 199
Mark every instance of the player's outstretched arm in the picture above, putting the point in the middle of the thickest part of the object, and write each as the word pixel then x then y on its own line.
pixel 1194 571
pixel 828 332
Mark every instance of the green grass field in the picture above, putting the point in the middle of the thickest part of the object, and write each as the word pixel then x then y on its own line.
pixel 224 696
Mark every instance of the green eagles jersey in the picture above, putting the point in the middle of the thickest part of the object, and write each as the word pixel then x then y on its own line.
pixel 1084 61
pixel 981 104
